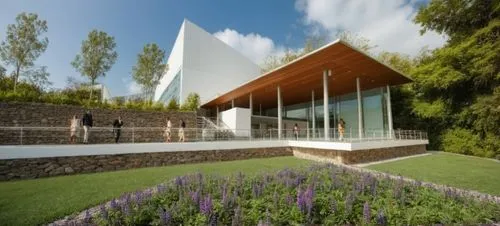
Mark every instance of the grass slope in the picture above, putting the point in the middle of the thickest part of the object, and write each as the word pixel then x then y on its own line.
pixel 33 202
pixel 466 172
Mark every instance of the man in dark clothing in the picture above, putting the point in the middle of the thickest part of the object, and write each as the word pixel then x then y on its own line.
pixel 87 124
pixel 117 125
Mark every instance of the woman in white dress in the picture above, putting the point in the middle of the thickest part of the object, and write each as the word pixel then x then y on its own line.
pixel 74 129
pixel 168 131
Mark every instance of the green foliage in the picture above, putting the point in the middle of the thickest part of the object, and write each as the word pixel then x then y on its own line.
pixel 173 105
pixel 39 77
pixel 23 44
pixel 149 68
pixel 463 141
pixel 322 194
pixel 457 18
pixel 97 56
pixel 192 102
pixel 356 40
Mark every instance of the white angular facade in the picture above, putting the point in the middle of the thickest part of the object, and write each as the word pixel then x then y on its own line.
pixel 203 64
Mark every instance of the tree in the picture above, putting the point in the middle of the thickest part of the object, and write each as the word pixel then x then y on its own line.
pixel 173 105
pixel 97 56
pixel 3 72
pixel 23 43
pixel 398 61
pixel 457 18
pixel 314 42
pixel 356 40
pixel 39 77
pixel 149 68
pixel 192 102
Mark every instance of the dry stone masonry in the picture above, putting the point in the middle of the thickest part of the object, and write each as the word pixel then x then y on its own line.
pixel 14 114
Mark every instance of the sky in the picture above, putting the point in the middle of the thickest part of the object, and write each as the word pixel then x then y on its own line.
pixel 256 28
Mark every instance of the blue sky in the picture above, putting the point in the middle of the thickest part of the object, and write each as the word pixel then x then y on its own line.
pixel 263 25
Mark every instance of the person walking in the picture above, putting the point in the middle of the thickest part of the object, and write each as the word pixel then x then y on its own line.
pixel 87 122
pixel 341 128
pixel 168 131
pixel 117 127
pixel 74 129
pixel 296 131
pixel 181 131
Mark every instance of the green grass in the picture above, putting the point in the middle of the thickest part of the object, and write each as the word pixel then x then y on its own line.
pixel 459 171
pixel 33 202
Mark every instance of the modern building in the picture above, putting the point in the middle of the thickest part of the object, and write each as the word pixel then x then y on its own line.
pixel 314 92
pixel 201 63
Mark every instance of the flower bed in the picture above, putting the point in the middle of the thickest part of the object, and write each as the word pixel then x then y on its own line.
pixel 322 194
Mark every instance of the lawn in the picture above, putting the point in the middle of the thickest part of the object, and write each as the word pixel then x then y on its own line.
pixel 466 172
pixel 33 202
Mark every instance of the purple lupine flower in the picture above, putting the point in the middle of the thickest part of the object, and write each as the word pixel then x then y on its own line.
pixel 195 196
pixel 206 206
pixel 366 212
pixel 161 188
pixel 349 202
pixel 104 212
pixel 309 198
pixel 257 189
pixel 178 181
pixel 381 219
pixel 301 202
pixel 113 205
pixel 126 209
pixel 236 220
pixel 373 187
pixel 164 216
pixel 138 197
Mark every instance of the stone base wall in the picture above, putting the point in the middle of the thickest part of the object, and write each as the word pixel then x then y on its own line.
pixel 15 114
pixel 359 156
pixel 11 169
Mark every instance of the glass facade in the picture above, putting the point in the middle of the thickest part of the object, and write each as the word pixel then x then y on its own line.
pixel 173 90
pixel 373 105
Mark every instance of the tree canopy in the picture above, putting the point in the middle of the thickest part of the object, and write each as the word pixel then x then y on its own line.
pixel 23 43
pixel 149 68
pixel 192 102
pixel 97 56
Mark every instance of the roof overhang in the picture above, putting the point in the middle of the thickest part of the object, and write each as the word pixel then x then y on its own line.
pixel 300 77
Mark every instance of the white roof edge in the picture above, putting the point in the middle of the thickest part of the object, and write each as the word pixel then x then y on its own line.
pixel 307 55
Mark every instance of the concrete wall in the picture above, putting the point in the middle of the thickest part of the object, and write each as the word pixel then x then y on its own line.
pixel 358 156
pixel 11 169
pixel 238 120
pixel 48 115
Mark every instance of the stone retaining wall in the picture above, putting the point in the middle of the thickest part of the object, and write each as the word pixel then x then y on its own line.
pixel 15 114
pixel 11 169
pixel 358 156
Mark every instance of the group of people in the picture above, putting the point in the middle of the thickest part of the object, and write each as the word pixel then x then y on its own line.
pixel 340 128
pixel 168 131
pixel 87 122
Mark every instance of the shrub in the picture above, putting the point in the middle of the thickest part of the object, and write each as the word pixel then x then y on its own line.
pixel 463 141
pixel 325 194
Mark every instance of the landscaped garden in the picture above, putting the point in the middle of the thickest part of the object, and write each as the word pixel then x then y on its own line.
pixel 319 194
pixel 454 170
pixel 35 202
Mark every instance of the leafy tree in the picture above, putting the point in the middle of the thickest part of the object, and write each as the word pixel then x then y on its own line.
pixel 149 68
pixel 39 77
pixel 3 72
pixel 192 102
pixel 172 105
pixel 457 18
pixel 314 42
pixel 23 43
pixel 356 40
pixel 97 56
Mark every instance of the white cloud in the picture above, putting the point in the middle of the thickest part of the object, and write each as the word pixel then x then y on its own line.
pixel 254 46
pixel 386 23
pixel 132 86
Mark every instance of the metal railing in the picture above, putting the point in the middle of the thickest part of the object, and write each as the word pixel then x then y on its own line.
pixel 61 135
